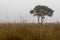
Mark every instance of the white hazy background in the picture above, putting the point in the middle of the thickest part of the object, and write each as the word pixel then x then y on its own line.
pixel 18 10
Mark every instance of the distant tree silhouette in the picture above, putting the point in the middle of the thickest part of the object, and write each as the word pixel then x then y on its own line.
pixel 41 12
pixel 58 21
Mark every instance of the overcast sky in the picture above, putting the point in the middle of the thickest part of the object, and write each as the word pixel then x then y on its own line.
pixel 18 10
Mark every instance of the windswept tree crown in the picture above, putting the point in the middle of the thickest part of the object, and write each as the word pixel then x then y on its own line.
pixel 42 10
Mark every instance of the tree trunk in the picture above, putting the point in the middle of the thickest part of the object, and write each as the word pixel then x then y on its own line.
pixel 42 19
pixel 38 20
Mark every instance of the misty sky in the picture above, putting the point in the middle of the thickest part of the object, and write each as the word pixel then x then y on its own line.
pixel 18 10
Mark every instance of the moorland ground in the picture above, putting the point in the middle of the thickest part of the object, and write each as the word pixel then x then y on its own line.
pixel 29 31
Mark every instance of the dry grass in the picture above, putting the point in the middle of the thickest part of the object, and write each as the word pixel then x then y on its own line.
pixel 31 31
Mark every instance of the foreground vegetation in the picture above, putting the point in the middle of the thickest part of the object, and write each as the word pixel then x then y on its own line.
pixel 12 31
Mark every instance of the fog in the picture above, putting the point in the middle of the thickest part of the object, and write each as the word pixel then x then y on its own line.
pixel 18 10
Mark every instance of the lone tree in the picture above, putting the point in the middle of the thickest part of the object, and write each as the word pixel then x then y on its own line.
pixel 41 11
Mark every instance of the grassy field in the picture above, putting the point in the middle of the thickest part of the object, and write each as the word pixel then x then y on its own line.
pixel 12 31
